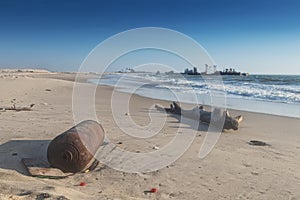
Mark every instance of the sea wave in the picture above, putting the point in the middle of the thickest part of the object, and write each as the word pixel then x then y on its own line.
pixel 269 88
pixel 240 92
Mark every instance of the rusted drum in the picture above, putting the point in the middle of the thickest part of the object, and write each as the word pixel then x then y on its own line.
pixel 73 151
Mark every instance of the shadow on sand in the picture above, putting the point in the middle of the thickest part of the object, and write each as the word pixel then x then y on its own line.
pixel 194 125
pixel 13 151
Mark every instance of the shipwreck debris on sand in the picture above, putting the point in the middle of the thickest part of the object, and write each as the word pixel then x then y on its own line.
pixel 73 151
pixel 202 115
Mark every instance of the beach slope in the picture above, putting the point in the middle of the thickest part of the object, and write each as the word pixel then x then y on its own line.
pixel 233 170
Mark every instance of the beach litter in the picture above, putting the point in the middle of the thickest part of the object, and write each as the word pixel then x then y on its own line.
pixel 73 151
pixel 43 196
pixel 203 116
pixel 155 147
pixel 40 168
pixel 258 143
pixel 152 190
pixel 16 108
pixel 70 152
pixel 82 184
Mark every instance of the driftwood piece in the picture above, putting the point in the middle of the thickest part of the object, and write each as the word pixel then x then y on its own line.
pixel 15 108
pixel 200 114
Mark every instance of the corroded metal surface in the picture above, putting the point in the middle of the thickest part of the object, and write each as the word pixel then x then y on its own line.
pixel 73 151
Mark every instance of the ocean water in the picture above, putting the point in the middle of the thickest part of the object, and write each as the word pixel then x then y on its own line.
pixel 271 94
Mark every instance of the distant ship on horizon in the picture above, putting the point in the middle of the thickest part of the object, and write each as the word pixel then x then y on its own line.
pixel 212 70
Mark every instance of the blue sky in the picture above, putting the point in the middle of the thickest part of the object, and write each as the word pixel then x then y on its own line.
pixel 253 36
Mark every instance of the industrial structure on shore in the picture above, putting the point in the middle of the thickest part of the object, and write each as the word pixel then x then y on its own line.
pixel 212 70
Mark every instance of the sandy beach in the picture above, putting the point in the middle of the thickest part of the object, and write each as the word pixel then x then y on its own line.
pixel 233 170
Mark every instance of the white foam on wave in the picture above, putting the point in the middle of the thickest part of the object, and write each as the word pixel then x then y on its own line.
pixel 243 95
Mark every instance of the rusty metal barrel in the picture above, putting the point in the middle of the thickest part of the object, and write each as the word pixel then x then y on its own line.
pixel 73 151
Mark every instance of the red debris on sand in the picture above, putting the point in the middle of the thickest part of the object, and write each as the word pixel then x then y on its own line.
pixel 153 190
pixel 82 184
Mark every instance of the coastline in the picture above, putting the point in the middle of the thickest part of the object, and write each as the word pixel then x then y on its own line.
pixel 233 170
pixel 191 91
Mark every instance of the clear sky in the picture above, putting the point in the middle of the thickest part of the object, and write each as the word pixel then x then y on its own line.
pixel 255 36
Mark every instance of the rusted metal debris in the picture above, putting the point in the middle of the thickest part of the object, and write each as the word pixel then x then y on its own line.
pixel 73 151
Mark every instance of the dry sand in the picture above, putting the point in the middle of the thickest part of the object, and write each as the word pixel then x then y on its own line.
pixel 233 170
